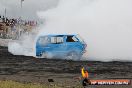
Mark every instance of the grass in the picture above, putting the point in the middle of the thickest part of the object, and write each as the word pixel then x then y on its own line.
pixel 13 84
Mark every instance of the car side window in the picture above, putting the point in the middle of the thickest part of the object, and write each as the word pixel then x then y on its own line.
pixel 71 39
pixel 56 40
pixel 43 40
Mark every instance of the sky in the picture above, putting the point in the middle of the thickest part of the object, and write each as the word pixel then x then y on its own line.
pixel 29 9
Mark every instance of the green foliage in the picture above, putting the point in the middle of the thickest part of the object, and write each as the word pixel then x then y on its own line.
pixel 13 84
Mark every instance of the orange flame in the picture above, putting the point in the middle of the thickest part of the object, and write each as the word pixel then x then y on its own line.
pixel 84 73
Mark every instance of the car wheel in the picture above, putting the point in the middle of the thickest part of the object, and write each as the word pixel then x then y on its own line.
pixel 43 55
pixel 47 55
pixel 73 56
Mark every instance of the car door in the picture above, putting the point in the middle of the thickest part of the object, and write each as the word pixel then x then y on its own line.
pixel 72 44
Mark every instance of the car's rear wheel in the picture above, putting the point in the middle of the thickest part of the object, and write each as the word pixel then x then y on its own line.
pixel 46 55
pixel 42 55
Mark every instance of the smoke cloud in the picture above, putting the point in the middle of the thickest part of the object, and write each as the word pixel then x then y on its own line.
pixel 24 46
pixel 105 25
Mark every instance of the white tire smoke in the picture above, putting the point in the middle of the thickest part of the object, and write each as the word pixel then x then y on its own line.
pixel 106 26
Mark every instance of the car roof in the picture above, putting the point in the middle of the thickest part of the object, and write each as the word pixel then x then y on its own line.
pixel 59 35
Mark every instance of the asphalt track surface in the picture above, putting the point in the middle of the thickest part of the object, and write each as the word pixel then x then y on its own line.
pixel 35 70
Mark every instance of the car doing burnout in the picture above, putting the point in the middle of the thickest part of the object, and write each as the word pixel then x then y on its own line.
pixel 60 46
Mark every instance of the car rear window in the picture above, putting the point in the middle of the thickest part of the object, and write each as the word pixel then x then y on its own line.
pixel 43 40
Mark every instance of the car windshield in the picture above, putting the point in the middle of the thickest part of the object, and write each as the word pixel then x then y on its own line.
pixel 80 38
pixel 71 39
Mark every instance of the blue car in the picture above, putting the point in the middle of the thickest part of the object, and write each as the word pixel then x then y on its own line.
pixel 60 46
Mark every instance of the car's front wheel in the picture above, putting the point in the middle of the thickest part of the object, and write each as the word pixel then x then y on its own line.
pixel 73 56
